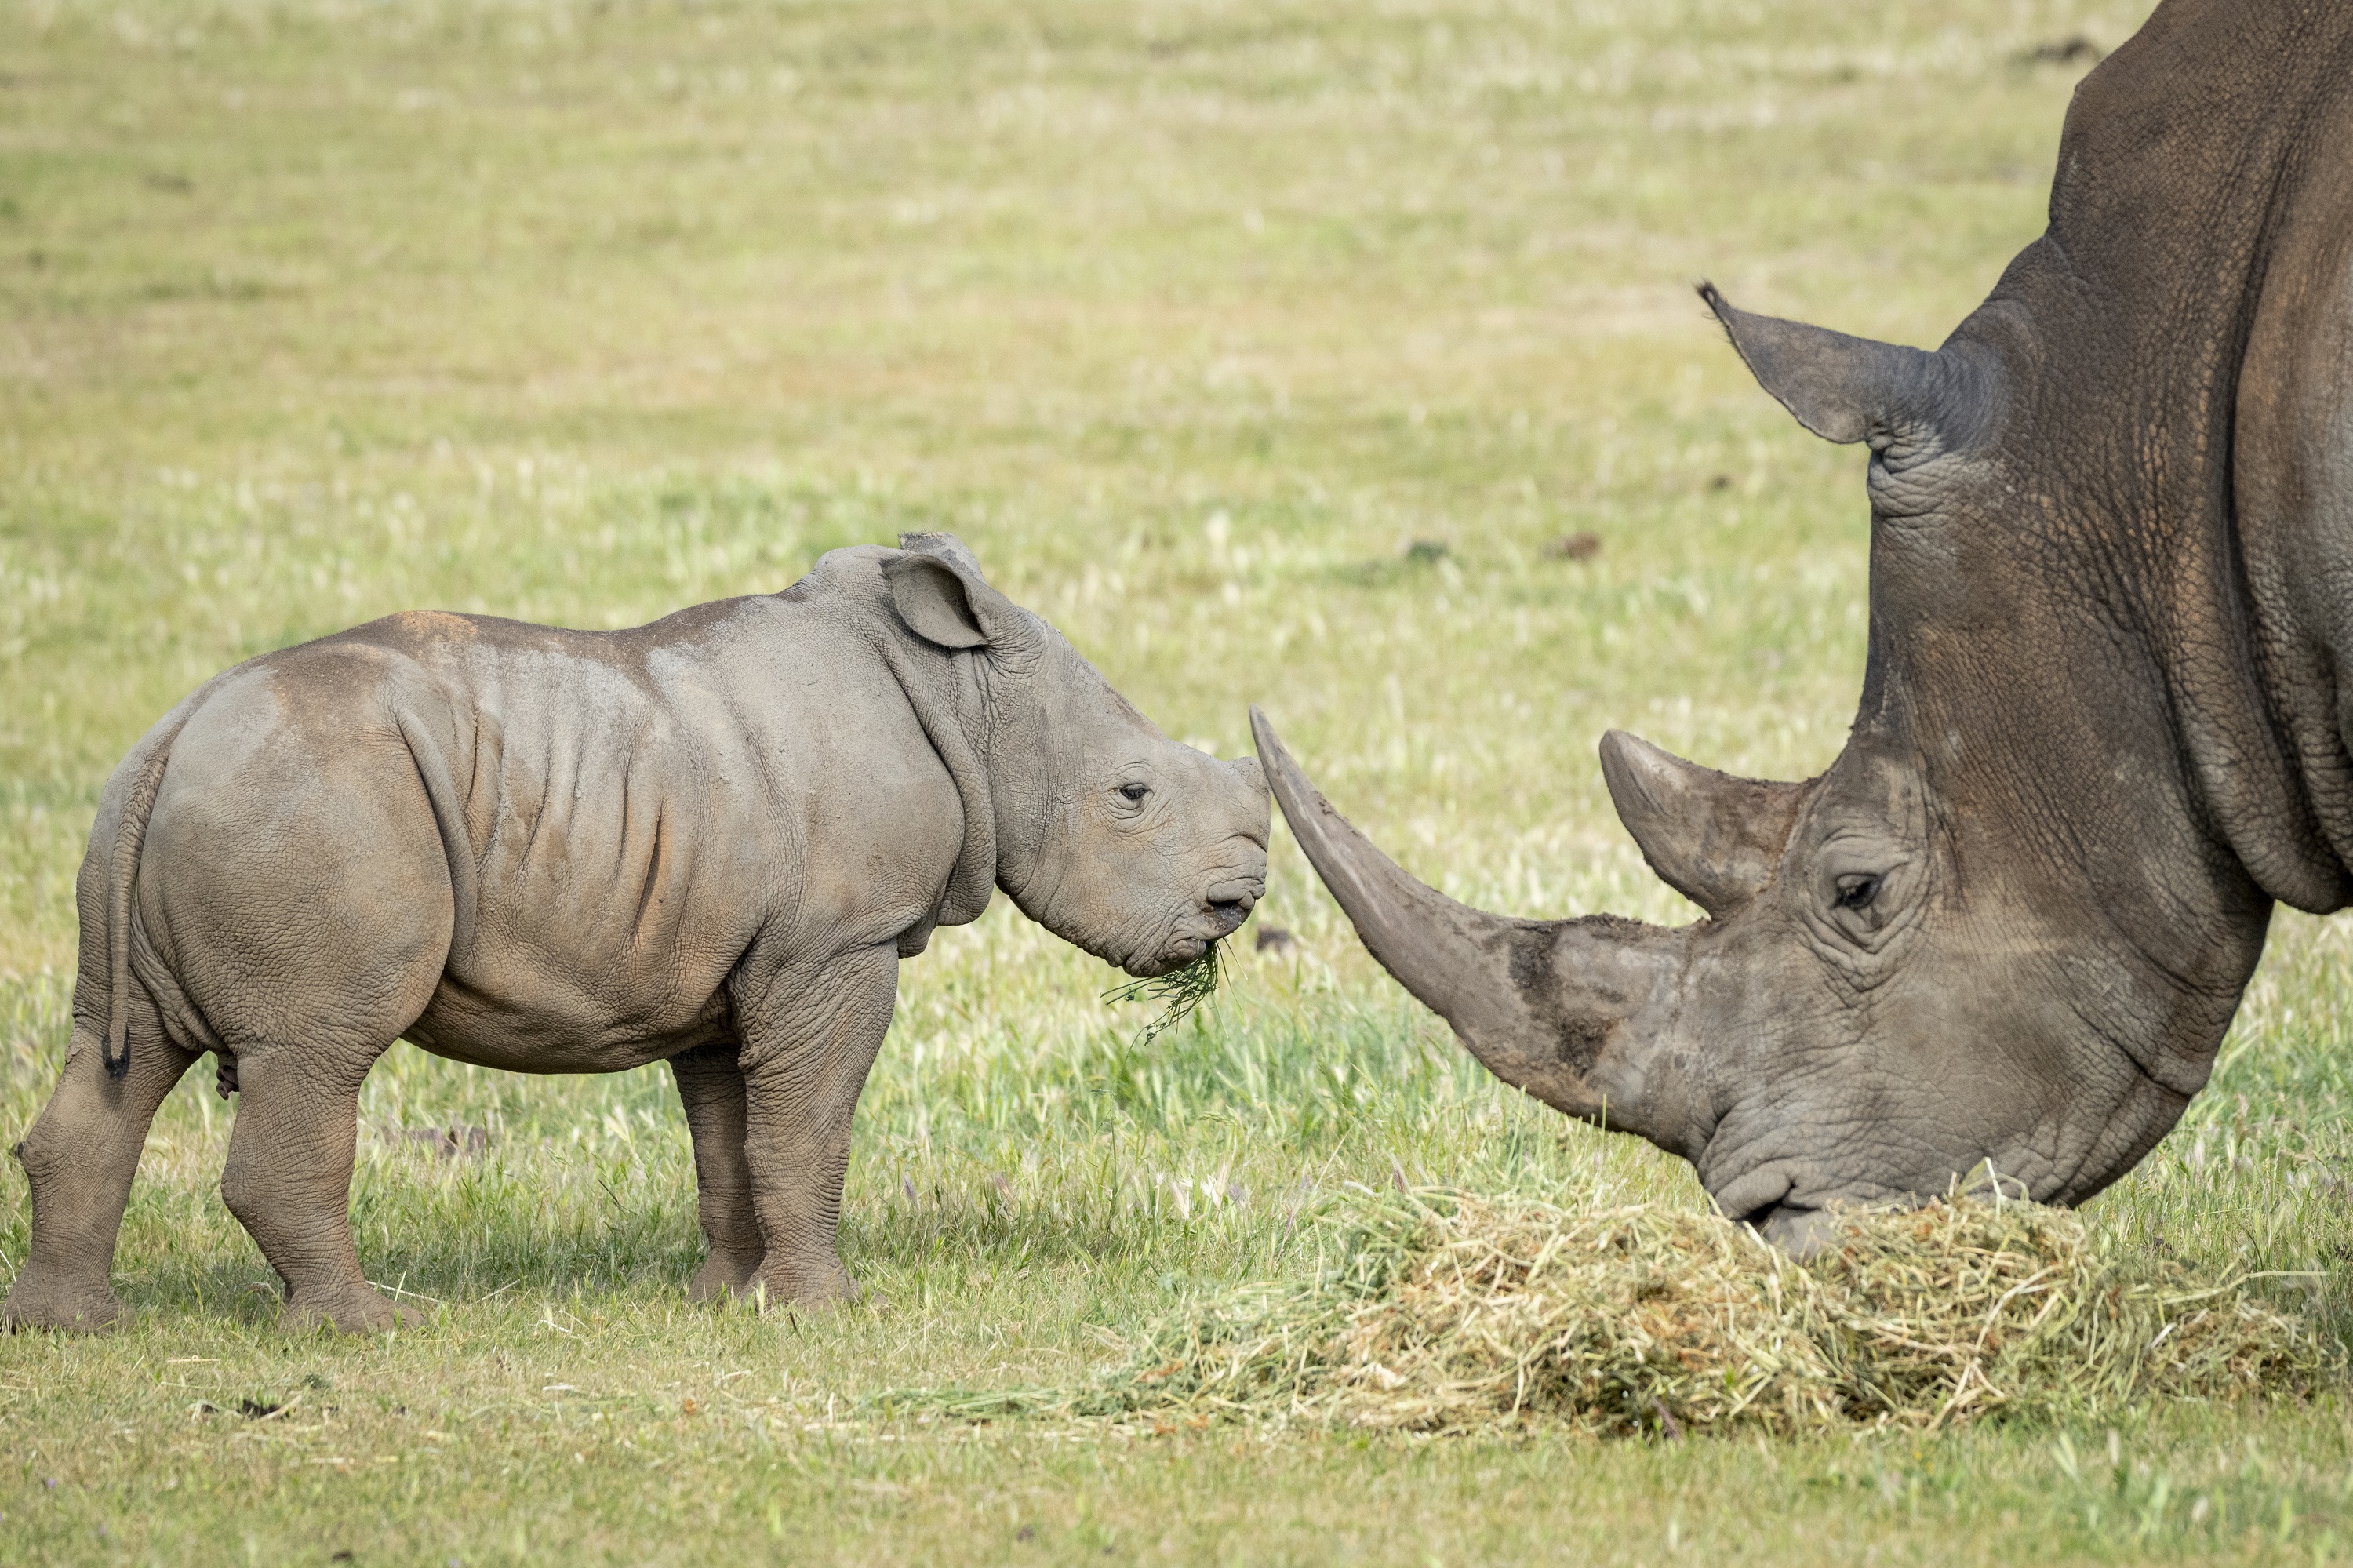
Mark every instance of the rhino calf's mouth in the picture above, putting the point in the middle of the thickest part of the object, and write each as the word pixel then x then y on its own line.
pixel 1179 991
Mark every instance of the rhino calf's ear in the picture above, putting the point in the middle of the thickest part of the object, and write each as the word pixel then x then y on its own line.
pixel 946 604
pixel 1711 837
pixel 946 545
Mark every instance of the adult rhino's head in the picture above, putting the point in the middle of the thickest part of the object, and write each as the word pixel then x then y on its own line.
pixel 1138 849
pixel 2000 938
pixel 1907 974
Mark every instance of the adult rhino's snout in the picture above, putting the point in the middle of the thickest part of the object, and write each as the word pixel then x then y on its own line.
pixel 1765 1200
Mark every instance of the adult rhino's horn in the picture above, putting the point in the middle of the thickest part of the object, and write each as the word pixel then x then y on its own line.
pixel 1557 1009
pixel 1714 839
pixel 1855 388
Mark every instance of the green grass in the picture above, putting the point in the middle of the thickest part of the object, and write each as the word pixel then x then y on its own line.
pixel 1193 319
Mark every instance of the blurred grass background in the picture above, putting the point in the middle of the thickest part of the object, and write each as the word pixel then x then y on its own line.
pixel 1273 351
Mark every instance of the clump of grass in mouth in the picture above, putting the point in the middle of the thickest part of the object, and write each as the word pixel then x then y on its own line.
pixel 1179 992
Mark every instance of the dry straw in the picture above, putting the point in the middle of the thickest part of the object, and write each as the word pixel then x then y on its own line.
pixel 1444 1311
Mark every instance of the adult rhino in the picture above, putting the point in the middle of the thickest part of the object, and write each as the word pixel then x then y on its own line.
pixel 2103 729
pixel 709 840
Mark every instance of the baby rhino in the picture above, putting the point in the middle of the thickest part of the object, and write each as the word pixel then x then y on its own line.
pixel 708 841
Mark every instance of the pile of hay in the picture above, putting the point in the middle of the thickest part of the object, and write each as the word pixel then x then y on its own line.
pixel 1444 1311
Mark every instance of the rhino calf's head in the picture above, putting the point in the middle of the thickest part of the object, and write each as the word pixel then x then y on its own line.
pixel 1138 849
pixel 1152 850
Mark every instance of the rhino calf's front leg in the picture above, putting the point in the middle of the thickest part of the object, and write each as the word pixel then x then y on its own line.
pixel 808 1042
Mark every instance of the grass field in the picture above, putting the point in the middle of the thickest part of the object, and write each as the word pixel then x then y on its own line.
pixel 1266 348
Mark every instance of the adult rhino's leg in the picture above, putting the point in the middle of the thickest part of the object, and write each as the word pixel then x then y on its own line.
pixel 711 1084
pixel 808 1042
pixel 79 1159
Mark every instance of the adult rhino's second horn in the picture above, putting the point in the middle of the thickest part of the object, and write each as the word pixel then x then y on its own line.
pixel 1566 1011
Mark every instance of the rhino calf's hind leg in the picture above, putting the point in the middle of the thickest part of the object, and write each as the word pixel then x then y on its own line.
pixel 711 1086
pixel 807 1048
pixel 289 1182
pixel 79 1159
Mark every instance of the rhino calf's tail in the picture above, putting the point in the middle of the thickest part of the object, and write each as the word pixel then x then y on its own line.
pixel 129 836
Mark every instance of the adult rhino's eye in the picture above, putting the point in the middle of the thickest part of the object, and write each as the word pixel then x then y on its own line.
pixel 1133 794
pixel 1856 892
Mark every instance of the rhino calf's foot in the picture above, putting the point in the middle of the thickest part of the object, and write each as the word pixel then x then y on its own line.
pixel 803 1290
pixel 41 1300
pixel 722 1276
pixel 351 1309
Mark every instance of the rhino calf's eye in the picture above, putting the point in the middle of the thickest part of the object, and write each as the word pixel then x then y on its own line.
pixel 1855 892
pixel 1133 794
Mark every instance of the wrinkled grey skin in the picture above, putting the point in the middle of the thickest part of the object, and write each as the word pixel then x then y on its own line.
pixel 710 840
pixel 2102 727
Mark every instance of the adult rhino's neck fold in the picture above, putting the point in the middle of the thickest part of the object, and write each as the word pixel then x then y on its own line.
pixel 2166 610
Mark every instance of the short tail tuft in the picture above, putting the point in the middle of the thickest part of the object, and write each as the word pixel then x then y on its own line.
pixel 128 836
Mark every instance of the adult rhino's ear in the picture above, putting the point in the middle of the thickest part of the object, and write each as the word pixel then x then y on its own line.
pixel 1857 389
pixel 940 594
pixel 1711 837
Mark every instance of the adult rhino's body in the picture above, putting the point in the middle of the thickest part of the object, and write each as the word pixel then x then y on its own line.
pixel 2105 723
pixel 709 840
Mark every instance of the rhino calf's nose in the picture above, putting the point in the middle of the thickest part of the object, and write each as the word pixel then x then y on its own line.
pixel 1229 903
pixel 1238 894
